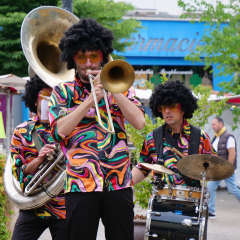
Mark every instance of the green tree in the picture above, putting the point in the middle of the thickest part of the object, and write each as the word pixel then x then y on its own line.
pixel 109 14
pixel 12 13
pixel 221 40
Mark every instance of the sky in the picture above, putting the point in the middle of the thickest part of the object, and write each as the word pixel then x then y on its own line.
pixel 169 6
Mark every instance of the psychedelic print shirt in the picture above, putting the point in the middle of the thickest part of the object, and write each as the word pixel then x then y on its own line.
pixel 23 151
pixel 96 159
pixel 170 158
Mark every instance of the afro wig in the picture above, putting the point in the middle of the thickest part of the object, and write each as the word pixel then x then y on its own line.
pixel 173 92
pixel 32 88
pixel 87 34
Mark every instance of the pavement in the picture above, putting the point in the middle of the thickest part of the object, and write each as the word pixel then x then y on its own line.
pixel 224 226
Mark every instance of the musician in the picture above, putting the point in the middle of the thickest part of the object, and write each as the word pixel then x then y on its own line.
pixel 98 176
pixel 25 161
pixel 173 102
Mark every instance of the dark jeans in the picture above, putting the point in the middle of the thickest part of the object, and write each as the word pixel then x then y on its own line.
pixel 114 208
pixel 30 227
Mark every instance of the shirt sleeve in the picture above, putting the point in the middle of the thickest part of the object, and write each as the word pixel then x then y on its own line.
pixel 58 108
pixel 18 160
pixel 206 145
pixel 230 142
pixel 148 154
pixel 131 95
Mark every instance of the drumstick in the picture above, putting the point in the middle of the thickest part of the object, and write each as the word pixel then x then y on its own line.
pixel 178 152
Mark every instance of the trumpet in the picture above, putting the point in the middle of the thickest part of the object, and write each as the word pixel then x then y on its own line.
pixel 117 76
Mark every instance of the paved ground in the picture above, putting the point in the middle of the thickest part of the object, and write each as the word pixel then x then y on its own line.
pixel 225 226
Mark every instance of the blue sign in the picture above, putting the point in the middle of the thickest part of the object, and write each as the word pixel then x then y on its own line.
pixel 167 43
pixel 165 39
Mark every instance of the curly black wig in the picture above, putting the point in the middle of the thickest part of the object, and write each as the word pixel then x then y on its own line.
pixel 89 35
pixel 32 88
pixel 173 92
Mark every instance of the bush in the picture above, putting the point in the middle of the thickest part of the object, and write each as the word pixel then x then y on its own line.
pixel 5 211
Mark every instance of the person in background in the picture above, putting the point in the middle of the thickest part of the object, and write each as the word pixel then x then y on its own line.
pixel 224 143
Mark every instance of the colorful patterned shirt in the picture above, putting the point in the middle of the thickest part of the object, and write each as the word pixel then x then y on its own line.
pixel 170 158
pixel 96 159
pixel 23 151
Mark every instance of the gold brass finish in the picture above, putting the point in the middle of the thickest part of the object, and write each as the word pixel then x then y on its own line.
pixel 41 32
pixel 117 76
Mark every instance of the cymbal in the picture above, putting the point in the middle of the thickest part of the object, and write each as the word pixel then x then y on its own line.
pixel 157 168
pixel 216 168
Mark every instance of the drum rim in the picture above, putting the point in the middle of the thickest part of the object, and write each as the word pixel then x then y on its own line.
pixel 179 198
pixel 186 188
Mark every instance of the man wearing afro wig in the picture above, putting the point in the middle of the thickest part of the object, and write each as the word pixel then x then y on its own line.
pixel 174 103
pixel 98 181
pixel 27 153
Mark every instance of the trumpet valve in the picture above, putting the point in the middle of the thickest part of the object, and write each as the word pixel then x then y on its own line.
pixel 51 156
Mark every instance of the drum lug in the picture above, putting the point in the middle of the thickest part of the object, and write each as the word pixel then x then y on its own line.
pixel 187 223
pixel 159 199
pixel 151 235
pixel 194 218
pixel 196 209
pixel 156 213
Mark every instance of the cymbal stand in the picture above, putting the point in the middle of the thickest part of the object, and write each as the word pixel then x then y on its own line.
pixel 189 223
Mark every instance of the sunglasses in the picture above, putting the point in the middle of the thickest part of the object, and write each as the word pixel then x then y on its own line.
pixel 94 57
pixel 44 95
pixel 173 107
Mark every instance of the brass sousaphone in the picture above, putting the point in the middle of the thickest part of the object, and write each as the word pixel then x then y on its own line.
pixel 41 32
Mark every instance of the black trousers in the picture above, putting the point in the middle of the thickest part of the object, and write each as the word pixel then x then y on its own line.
pixel 114 208
pixel 30 227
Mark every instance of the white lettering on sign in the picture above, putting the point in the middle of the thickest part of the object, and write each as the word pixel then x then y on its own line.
pixel 172 72
pixel 167 45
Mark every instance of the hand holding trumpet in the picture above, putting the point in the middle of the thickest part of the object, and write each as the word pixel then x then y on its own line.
pixel 97 85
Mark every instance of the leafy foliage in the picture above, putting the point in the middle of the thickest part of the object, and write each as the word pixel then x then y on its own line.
pixel 221 39
pixel 143 192
pixel 12 13
pixel 109 14
pixel 4 210
pixel 200 118
pixel 206 108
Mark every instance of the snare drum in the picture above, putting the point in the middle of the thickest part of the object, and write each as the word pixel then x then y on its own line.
pixel 180 193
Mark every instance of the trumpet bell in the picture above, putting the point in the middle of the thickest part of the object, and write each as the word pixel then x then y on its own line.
pixel 117 76
pixel 41 32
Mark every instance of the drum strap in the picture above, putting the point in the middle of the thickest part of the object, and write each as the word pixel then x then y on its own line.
pixel 160 132
pixel 35 137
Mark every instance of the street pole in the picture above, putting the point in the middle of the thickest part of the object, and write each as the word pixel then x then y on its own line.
pixel 68 5
pixel 8 96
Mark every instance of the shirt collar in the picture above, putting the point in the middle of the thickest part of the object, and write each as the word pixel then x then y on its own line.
pixel 35 120
pixel 185 131
pixel 79 84
pixel 220 132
